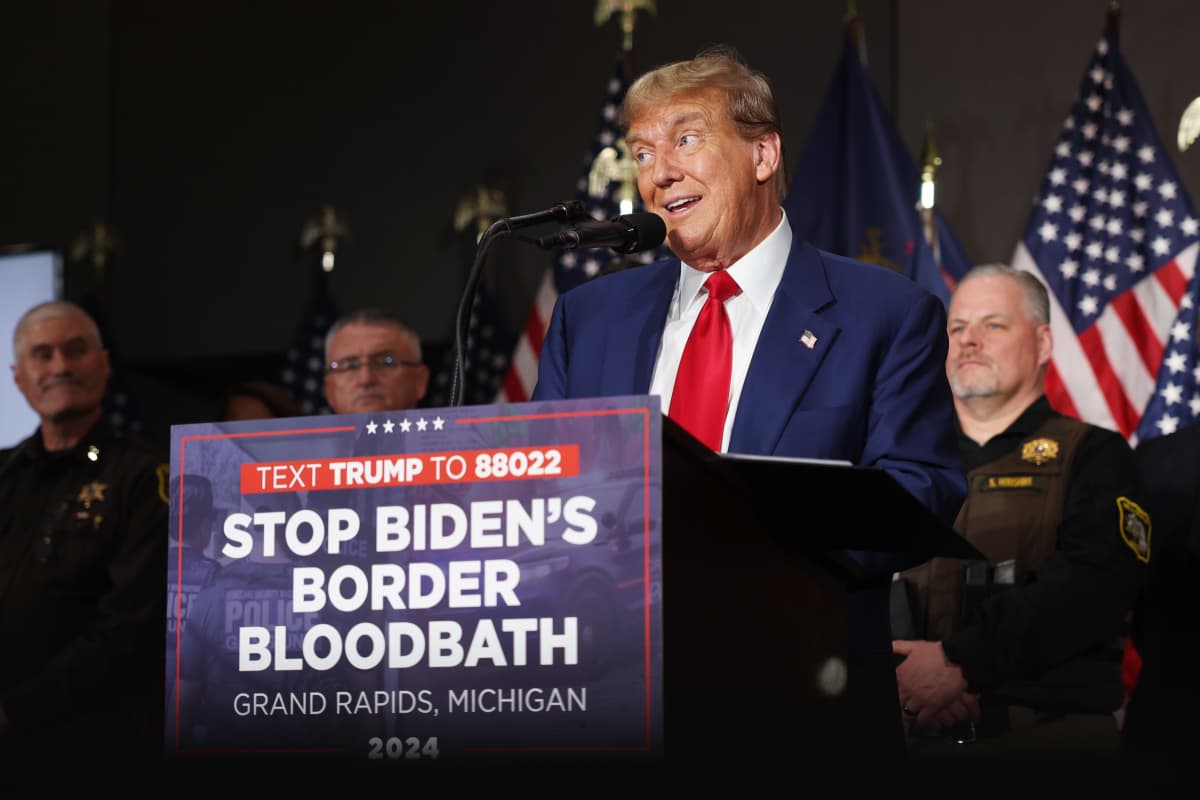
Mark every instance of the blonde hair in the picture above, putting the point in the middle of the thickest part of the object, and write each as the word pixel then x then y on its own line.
pixel 749 100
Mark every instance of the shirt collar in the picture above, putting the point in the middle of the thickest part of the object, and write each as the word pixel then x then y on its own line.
pixel 757 273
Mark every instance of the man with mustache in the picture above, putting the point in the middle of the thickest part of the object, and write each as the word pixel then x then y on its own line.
pixel 82 558
pixel 373 363
pixel 1027 645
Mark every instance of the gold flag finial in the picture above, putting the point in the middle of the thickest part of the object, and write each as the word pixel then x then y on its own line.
pixel 615 163
pixel 930 161
pixel 628 8
pixel 483 205
pixel 97 244
pixel 1189 125
pixel 329 229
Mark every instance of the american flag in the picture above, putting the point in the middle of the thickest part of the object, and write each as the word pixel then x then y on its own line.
pixel 1114 237
pixel 572 267
pixel 303 374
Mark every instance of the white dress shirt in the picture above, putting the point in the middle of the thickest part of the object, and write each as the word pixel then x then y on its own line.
pixel 758 274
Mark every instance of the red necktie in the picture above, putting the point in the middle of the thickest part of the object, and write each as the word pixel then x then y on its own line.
pixel 701 395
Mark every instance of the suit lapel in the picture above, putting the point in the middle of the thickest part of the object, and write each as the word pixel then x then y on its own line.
pixel 636 332
pixel 793 343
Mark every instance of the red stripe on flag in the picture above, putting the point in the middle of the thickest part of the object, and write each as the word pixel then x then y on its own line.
pixel 1174 283
pixel 1123 412
pixel 1141 330
pixel 535 331
pixel 1056 393
pixel 514 391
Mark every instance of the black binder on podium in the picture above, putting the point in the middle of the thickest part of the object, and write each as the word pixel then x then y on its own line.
pixel 755 588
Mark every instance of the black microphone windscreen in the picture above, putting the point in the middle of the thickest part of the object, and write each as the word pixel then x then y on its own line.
pixel 651 231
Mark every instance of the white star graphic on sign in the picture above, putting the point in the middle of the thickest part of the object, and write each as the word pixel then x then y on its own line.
pixel 1146 153
pixel 1125 117
pixel 371 428
pixel 1161 246
pixel 1167 190
pixel 1181 331
pixel 405 426
pixel 1058 176
pixel 1069 268
pixel 1091 277
pixel 1088 305
pixel 389 426
pixel 1164 217
pixel 1172 394
pixel 422 424
pixel 1048 232
pixel 1136 263
pixel 1052 203
pixel 438 422
pixel 1176 361
pixel 1167 424
pixel 1189 226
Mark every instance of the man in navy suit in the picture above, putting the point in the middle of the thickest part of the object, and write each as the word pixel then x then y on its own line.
pixel 831 358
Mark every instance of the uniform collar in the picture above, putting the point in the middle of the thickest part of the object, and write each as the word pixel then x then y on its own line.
pixel 1032 418
pixel 100 435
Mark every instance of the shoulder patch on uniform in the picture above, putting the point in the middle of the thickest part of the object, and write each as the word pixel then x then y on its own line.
pixel 1135 528
pixel 1039 451
pixel 163 472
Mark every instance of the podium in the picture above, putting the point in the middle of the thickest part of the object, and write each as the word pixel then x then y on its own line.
pixel 756 582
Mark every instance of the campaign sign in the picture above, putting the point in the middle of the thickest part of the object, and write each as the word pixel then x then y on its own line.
pixel 452 584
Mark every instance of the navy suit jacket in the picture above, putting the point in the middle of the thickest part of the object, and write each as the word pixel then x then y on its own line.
pixel 871 390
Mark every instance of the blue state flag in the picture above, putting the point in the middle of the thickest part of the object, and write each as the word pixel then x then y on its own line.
pixel 855 188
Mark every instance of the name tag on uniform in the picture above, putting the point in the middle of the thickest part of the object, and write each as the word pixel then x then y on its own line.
pixel 991 483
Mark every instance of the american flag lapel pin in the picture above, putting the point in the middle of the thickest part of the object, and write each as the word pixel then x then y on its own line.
pixel 809 339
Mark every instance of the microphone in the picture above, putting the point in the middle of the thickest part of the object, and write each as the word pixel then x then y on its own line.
pixel 564 213
pixel 628 233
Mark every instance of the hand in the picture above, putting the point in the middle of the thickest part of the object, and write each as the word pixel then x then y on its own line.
pixel 933 690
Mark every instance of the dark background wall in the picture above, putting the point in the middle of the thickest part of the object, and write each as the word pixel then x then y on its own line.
pixel 206 134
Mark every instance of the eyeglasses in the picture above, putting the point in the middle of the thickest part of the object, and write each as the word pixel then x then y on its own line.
pixel 378 361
